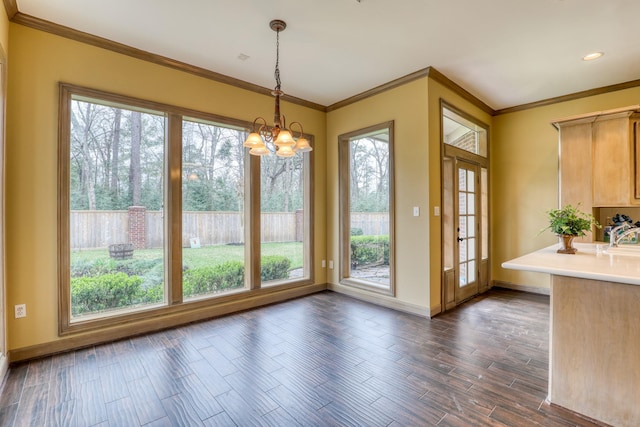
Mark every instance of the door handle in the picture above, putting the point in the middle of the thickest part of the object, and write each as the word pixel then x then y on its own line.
pixel 460 239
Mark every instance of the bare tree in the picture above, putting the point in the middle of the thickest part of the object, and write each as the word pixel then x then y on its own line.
pixel 113 186
pixel 135 177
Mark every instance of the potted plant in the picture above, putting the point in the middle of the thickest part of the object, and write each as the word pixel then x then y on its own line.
pixel 567 223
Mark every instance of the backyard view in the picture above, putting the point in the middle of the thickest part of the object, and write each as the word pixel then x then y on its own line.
pixel 369 201
pixel 117 217
pixel 120 210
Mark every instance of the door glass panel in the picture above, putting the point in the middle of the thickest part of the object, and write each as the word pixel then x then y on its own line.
pixel 463 275
pixel 467 218
pixel 213 255
pixel 471 203
pixel 462 203
pixel 472 272
pixel 471 229
pixel 462 180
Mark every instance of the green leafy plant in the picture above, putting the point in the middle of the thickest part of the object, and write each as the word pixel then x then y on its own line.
pixel 570 221
pixel 274 267
pixel 369 249
pixel 203 280
pixel 106 292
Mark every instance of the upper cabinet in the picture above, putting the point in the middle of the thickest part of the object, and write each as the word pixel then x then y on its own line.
pixel 600 158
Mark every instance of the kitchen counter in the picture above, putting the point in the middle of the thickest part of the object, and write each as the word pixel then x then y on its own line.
pixel 594 349
pixel 590 262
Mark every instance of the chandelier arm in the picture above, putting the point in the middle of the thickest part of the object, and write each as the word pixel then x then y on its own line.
pixel 264 123
pixel 298 124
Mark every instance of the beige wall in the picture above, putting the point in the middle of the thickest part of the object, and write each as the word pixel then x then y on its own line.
pixel 524 179
pixel 415 108
pixel 38 61
pixel 407 107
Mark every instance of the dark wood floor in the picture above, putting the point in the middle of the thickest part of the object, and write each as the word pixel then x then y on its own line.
pixel 322 360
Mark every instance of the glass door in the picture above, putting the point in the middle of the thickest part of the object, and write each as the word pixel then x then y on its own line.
pixel 467 223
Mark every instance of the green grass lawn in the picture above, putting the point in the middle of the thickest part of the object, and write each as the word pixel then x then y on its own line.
pixel 204 256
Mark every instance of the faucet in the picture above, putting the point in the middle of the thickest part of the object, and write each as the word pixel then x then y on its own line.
pixel 626 229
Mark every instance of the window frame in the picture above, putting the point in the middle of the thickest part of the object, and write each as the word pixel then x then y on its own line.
pixel 173 303
pixel 345 211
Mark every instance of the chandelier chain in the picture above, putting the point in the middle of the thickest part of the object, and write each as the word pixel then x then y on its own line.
pixel 277 71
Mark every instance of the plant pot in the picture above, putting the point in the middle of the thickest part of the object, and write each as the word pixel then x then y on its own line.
pixel 566 244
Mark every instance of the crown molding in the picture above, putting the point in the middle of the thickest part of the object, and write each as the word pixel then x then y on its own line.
pixel 11 8
pixel 80 36
pixel 570 97
pixel 425 72
pixel 379 89
pixel 459 90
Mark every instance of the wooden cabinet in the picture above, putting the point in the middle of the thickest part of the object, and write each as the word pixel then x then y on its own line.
pixel 600 158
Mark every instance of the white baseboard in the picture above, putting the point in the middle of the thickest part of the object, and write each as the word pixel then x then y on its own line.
pixel 523 288
pixel 381 300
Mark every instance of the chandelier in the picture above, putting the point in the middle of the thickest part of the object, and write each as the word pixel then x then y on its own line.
pixel 276 139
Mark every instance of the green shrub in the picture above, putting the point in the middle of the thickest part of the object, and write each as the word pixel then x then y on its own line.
pixel 355 231
pixel 137 267
pixel 153 276
pixel 275 267
pixel 106 292
pixel 92 268
pixel 369 249
pixel 102 266
pixel 203 280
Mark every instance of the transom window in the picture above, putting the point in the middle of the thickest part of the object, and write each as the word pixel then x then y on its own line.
pixel 462 133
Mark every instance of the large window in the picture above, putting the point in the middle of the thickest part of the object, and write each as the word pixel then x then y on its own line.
pixel 116 166
pixel 154 210
pixel 212 208
pixel 366 208
pixel 283 219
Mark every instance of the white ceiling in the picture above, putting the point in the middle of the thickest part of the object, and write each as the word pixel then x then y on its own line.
pixel 505 52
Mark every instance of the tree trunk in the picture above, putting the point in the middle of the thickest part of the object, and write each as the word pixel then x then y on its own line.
pixel 116 148
pixel 135 178
pixel 87 162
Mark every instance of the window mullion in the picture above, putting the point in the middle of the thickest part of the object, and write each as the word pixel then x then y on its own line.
pixel 253 224
pixel 173 209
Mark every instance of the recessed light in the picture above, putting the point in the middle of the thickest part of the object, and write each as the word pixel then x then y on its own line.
pixel 592 56
pixel 243 57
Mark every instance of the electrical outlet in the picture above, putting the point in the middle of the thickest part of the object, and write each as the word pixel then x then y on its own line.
pixel 331 264
pixel 21 310
pixel 324 263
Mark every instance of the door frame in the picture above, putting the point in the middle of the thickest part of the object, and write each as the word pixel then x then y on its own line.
pixel 449 156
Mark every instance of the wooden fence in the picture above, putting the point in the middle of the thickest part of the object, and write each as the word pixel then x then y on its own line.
pixel 371 223
pixel 99 229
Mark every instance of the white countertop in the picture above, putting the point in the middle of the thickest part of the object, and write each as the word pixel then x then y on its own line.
pixel 590 262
